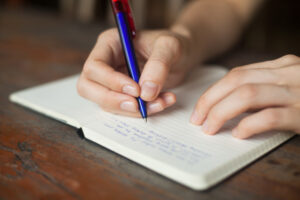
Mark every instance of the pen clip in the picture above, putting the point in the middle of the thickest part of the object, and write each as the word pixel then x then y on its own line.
pixel 130 18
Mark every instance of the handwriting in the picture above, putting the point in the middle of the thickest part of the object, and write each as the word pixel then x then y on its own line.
pixel 151 139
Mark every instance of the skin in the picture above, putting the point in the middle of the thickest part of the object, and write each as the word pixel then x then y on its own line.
pixel 165 58
pixel 272 88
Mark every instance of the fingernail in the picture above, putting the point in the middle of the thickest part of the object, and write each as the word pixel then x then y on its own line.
pixel 149 90
pixel 196 118
pixel 154 107
pixel 128 106
pixel 205 128
pixel 130 90
pixel 169 99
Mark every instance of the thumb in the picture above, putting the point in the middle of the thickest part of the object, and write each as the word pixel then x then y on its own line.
pixel 165 53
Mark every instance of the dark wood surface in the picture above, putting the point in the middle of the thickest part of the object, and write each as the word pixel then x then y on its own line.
pixel 43 159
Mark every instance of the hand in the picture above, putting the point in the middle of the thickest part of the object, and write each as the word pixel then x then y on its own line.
pixel 272 87
pixel 161 54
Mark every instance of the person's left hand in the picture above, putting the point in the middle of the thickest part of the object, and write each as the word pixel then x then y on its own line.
pixel 272 88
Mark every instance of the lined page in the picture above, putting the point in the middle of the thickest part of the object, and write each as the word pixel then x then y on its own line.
pixel 169 138
pixel 168 143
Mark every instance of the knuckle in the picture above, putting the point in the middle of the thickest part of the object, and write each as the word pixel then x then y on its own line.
pixel 107 73
pixel 101 36
pixel 108 37
pixel 244 128
pixel 168 40
pixel 290 58
pixel 162 103
pixel 216 116
pixel 106 34
pixel 171 42
pixel 106 99
pixel 272 117
pixel 160 63
pixel 117 82
pixel 165 66
pixel 235 76
pixel 87 70
pixel 248 91
pixel 236 69
pixel 111 100
pixel 203 101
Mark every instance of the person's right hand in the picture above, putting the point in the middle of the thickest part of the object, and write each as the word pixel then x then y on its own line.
pixel 162 56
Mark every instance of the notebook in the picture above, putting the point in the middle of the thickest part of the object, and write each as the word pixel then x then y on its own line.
pixel 168 144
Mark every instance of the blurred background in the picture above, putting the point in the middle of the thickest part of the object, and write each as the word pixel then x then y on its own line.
pixel 274 30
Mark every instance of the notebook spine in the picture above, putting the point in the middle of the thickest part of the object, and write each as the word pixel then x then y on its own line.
pixel 80 133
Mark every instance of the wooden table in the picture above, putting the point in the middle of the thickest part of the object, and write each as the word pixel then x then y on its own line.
pixel 43 159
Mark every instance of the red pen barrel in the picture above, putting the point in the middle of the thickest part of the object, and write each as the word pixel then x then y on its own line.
pixel 124 6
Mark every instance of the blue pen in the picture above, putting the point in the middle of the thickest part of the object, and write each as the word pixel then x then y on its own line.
pixel 127 32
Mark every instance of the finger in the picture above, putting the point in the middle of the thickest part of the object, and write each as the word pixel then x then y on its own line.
pixel 270 119
pixel 117 103
pixel 222 88
pixel 164 101
pixel 165 51
pixel 248 97
pixel 106 76
pixel 277 63
pixel 289 75
pixel 254 73
pixel 105 57
pixel 108 49
pixel 107 99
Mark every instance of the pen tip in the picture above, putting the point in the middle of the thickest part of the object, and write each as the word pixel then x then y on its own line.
pixel 145 120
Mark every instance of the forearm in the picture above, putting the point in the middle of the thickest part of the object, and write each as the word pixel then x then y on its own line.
pixel 213 26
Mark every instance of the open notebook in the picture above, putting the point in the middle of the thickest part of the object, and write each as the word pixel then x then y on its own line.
pixel 168 143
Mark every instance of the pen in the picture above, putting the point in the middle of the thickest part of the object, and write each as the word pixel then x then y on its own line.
pixel 127 32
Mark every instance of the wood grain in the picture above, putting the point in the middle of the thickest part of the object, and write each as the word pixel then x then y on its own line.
pixel 44 159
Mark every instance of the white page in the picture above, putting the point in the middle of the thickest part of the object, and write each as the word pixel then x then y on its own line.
pixel 168 143
pixel 172 146
pixel 58 99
